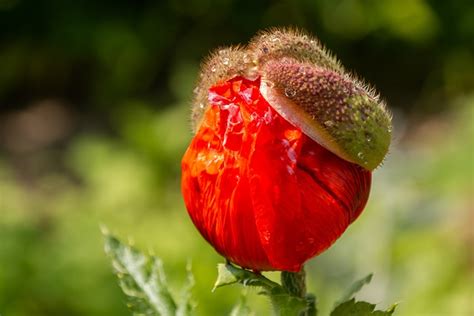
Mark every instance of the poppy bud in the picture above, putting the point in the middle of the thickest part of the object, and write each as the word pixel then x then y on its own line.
pixel 284 145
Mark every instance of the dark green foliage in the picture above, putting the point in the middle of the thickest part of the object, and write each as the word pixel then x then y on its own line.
pixel 286 302
pixel 355 287
pixel 353 308
pixel 143 281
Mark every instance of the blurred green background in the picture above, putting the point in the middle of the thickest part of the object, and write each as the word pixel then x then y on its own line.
pixel 94 107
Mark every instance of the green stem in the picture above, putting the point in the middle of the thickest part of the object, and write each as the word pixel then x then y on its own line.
pixel 294 282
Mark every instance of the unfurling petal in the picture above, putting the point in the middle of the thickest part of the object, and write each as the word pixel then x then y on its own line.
pixel 263 193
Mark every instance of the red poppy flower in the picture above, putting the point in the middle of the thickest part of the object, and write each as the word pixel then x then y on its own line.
pixel 263 193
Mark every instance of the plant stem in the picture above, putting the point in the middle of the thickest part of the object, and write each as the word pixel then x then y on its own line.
pixel 294 282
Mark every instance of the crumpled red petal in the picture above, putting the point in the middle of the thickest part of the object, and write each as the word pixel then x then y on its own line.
pixel 264 194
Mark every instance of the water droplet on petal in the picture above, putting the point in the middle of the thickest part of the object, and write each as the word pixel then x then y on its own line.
pixel 290 170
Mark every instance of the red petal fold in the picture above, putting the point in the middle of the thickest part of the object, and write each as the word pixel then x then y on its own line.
pixel 264 194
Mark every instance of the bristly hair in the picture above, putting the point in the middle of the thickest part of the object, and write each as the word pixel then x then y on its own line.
pixel 227 62
pixel 222 64
pixel 295 43
pixel 299 44
pixel 280 45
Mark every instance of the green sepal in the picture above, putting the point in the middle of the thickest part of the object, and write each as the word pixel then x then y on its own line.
pixel 284 304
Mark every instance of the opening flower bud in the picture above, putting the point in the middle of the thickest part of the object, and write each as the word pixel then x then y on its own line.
pixel 284 145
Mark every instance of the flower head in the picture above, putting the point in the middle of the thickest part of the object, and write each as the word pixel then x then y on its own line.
pixel 281 161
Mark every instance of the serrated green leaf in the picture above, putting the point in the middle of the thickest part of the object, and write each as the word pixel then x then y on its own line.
pixel 141 278
pixel 354 288
pixel 287 305
pixel 390 310
pixel 283 302
pixel 353 308
pixel 185 307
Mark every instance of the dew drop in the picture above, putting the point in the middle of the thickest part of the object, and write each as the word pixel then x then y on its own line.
pixel 290 170
pixel 369 139
pixel 213 69
pixel 201 105
pixel 290 92
pixel 225 61
pixel 329 123
pixel 362 157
